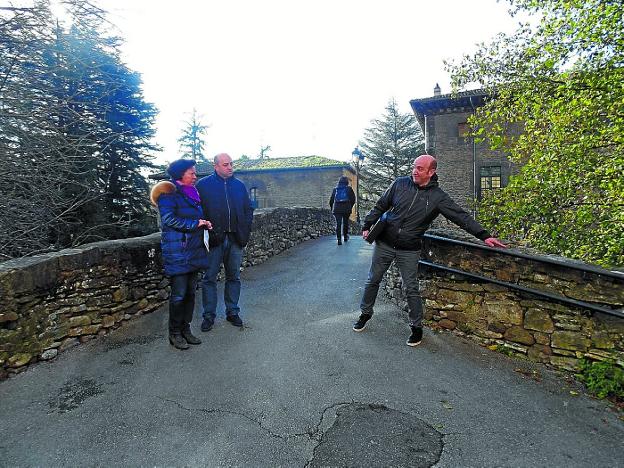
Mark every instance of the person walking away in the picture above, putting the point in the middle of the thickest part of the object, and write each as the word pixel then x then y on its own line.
pixel 225 202
pixel 415 201
pixel 183 250
pixel 341 203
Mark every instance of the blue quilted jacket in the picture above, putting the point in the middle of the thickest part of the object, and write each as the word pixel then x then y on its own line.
pixel 182 242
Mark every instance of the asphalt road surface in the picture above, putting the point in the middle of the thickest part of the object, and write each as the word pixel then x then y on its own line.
pixel 297 387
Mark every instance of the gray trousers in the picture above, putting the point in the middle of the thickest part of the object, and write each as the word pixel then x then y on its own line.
pixel 407 262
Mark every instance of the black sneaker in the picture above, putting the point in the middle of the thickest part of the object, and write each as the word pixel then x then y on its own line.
pixel 206 325
pixel 361 323
pixel 415 338
pixel 346 238
pixel 339 242
pixel 234 320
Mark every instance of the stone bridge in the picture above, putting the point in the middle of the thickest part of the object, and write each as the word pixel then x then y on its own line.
pixel 295 386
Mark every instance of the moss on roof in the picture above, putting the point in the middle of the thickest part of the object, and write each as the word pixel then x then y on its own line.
pixel 293 162
pixel 282 163
pixel 276 163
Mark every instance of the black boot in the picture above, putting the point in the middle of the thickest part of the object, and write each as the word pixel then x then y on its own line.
pixel 189 337
pixel 189 308
pixel 176 324
pixel 178 341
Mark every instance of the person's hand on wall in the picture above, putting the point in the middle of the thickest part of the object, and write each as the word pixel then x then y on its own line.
pixel 494 242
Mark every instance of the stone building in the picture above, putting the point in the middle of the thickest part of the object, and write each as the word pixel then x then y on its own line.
pixel 303 181
pixel 466 168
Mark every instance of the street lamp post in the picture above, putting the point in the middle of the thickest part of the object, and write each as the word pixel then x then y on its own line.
pixel 357 157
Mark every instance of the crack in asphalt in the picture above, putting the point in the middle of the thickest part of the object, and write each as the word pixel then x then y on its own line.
pixel 313 434
pixel 217 410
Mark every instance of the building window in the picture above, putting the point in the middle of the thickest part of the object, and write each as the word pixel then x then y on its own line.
pixel 490 177
pixel 253 196
pixel 463 130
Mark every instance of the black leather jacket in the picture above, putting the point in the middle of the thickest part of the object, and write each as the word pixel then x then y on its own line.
pixel 414 209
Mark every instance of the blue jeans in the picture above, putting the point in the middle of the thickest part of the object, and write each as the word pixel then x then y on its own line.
pixel 407 262
pixel 230 254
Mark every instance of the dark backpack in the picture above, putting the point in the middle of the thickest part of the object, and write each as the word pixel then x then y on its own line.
pixel 342 194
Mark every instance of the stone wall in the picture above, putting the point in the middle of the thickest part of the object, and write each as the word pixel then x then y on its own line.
pixel 310 187
pixel 52 302
pixel 514 322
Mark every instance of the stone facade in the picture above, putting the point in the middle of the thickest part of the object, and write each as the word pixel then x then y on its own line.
pixel 460 160
pixel 306 187
pixel 518 323
pixel 52 302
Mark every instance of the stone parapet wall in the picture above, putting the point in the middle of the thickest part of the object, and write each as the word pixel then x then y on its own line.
pixel 52 302
pixel 516 322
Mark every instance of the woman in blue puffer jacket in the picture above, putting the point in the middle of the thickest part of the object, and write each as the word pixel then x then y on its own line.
pixel 183 249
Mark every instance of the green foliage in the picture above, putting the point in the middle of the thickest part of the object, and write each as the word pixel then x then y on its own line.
pixel 558 109
pixel 389 146
pixel 603 379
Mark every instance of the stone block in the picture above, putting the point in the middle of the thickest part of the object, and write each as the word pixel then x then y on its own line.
pixel 503 311
pixel 567 363
pixel 49 354
pixel 19 360
pixel 539 353
pixel 458 298
pixel 79 321
pixel 497 327
pixel 121 294
pixel 8 317
pixel 448 324
pixel 519 335
pixel 602 340
pixel 108 321
pixel 569 340
pixel 541 338
pixel 539 320
pixel 88 330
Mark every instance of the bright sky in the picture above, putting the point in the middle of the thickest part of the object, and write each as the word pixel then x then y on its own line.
pixel 305 77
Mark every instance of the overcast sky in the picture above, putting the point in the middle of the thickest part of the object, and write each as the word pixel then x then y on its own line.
pixel 305 77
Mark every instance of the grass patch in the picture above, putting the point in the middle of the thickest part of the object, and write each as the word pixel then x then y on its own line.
pixel 604 379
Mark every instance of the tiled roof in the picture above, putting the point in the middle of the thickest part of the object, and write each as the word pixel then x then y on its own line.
pixel 267 164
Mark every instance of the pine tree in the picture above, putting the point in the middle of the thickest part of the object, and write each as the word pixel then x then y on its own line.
pixel 75 132
pixel 389 146
pixel 191 141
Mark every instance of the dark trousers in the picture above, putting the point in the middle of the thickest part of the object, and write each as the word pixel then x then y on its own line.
pixel 342 225
pixel 182 302
pixel 407 262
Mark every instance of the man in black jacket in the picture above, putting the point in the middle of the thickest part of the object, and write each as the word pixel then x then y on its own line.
pixel 226 204
pixel 415 201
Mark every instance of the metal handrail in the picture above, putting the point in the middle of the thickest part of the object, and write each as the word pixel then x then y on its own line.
pixel 537 292
pixel 514 253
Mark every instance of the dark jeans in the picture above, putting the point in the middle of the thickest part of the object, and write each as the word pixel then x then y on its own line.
pixel 407 262
pixel 182 302
pixel 231 255
pixel 342 220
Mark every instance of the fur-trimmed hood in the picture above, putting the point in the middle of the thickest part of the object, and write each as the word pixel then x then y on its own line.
pixel 165 187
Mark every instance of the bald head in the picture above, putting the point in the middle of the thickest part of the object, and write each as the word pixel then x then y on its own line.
pixel 423 169
pixel 223 165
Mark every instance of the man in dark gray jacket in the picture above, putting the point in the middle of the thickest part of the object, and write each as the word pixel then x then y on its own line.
pixel 415 201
